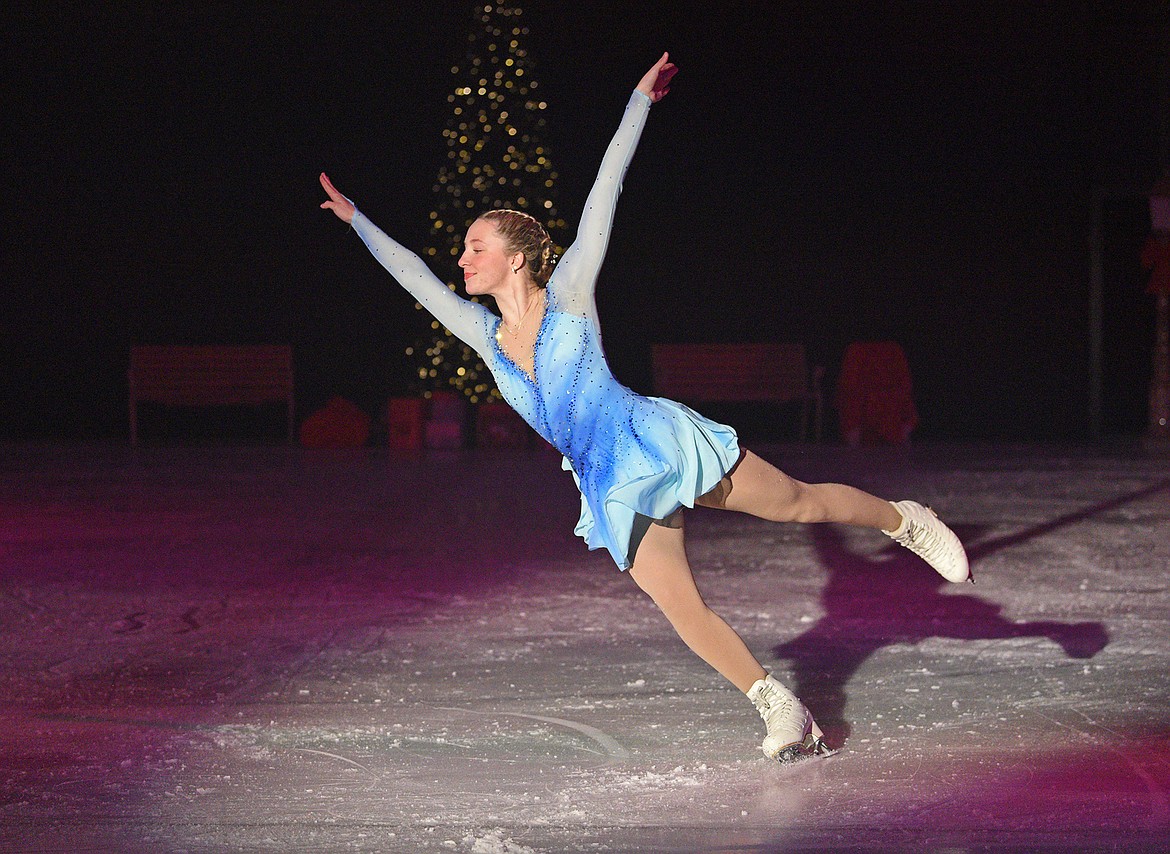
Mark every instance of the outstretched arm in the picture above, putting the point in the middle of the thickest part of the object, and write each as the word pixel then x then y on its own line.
pixel 468 321
pixel 577 271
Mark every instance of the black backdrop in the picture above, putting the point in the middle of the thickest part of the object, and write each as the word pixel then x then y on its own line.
pixel 820 172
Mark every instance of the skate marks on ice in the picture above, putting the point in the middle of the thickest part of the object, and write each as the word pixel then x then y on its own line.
pixel 278 724
pixel 1103 739
pixel 871 602
pixel 610 747
pixel 978 550
pixel 1044 722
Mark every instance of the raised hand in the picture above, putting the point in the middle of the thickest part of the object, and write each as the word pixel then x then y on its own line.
pixel 337 203
pixel 656 82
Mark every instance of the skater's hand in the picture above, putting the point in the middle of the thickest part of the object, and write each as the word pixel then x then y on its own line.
pixel 656 82
pixel 337 203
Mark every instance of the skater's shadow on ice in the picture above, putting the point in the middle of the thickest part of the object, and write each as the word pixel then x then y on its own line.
pixel 893 598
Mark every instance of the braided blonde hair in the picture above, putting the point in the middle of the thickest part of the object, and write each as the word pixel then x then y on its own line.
pixel 524 233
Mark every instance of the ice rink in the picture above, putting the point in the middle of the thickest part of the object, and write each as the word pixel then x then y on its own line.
pixel 212 649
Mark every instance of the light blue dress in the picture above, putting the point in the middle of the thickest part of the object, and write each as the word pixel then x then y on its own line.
pixel 630 455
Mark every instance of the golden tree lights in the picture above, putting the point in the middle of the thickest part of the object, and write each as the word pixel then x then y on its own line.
pixel 495 159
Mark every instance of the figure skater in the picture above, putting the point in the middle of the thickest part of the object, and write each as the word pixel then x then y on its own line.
pixel 638 461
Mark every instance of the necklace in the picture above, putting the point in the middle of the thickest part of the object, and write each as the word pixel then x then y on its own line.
pixel 519 326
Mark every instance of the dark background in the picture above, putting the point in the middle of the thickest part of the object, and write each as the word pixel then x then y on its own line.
pixel 823 172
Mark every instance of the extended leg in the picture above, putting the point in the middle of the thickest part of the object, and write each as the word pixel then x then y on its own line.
pixel 759 488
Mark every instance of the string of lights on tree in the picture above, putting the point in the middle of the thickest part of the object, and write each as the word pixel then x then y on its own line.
pixel 495 159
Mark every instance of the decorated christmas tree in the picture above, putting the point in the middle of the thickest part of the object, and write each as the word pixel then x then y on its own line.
pixel 496 158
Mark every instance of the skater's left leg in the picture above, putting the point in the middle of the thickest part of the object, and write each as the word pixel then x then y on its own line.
pixel 757 487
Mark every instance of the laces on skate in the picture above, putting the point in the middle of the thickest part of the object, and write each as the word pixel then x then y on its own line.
pixel 792 733
pixel 923 533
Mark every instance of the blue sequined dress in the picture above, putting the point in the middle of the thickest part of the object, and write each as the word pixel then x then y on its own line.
pixel 630 455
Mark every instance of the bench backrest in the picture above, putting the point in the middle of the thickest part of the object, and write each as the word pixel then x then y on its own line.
pixel 731 372
pixel 211 375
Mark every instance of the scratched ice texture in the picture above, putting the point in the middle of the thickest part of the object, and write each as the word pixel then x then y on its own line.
pixel 267 649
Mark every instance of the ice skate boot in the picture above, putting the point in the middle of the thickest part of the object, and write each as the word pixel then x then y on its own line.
pixel 792 732
pixel 925 534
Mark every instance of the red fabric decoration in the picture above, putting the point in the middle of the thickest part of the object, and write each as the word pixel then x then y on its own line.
pixel 1156 259
pixel 405 417
pixel 444 427
pixel 874 394
pixel 340 424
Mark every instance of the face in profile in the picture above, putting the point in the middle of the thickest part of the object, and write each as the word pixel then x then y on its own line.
pixel 485 261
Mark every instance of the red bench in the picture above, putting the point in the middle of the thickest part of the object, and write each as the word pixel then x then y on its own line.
pixel 776 373
pixel 214 375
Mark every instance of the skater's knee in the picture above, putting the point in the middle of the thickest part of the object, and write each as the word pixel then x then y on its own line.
pixel 794 501
pixel 689 618
pixel 805 505
pixel 681 604
pixel 678 605
pixel 759 488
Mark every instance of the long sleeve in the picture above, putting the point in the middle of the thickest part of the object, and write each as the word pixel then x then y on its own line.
pixel 468 321
pixel 576 275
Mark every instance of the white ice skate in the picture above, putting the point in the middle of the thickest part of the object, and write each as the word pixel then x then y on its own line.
pixel 792 732
pixel 925 534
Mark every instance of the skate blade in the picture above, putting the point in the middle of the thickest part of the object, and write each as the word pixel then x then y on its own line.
pixel 813 747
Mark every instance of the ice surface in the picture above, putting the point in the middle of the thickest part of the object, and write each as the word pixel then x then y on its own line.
pixel 264 649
